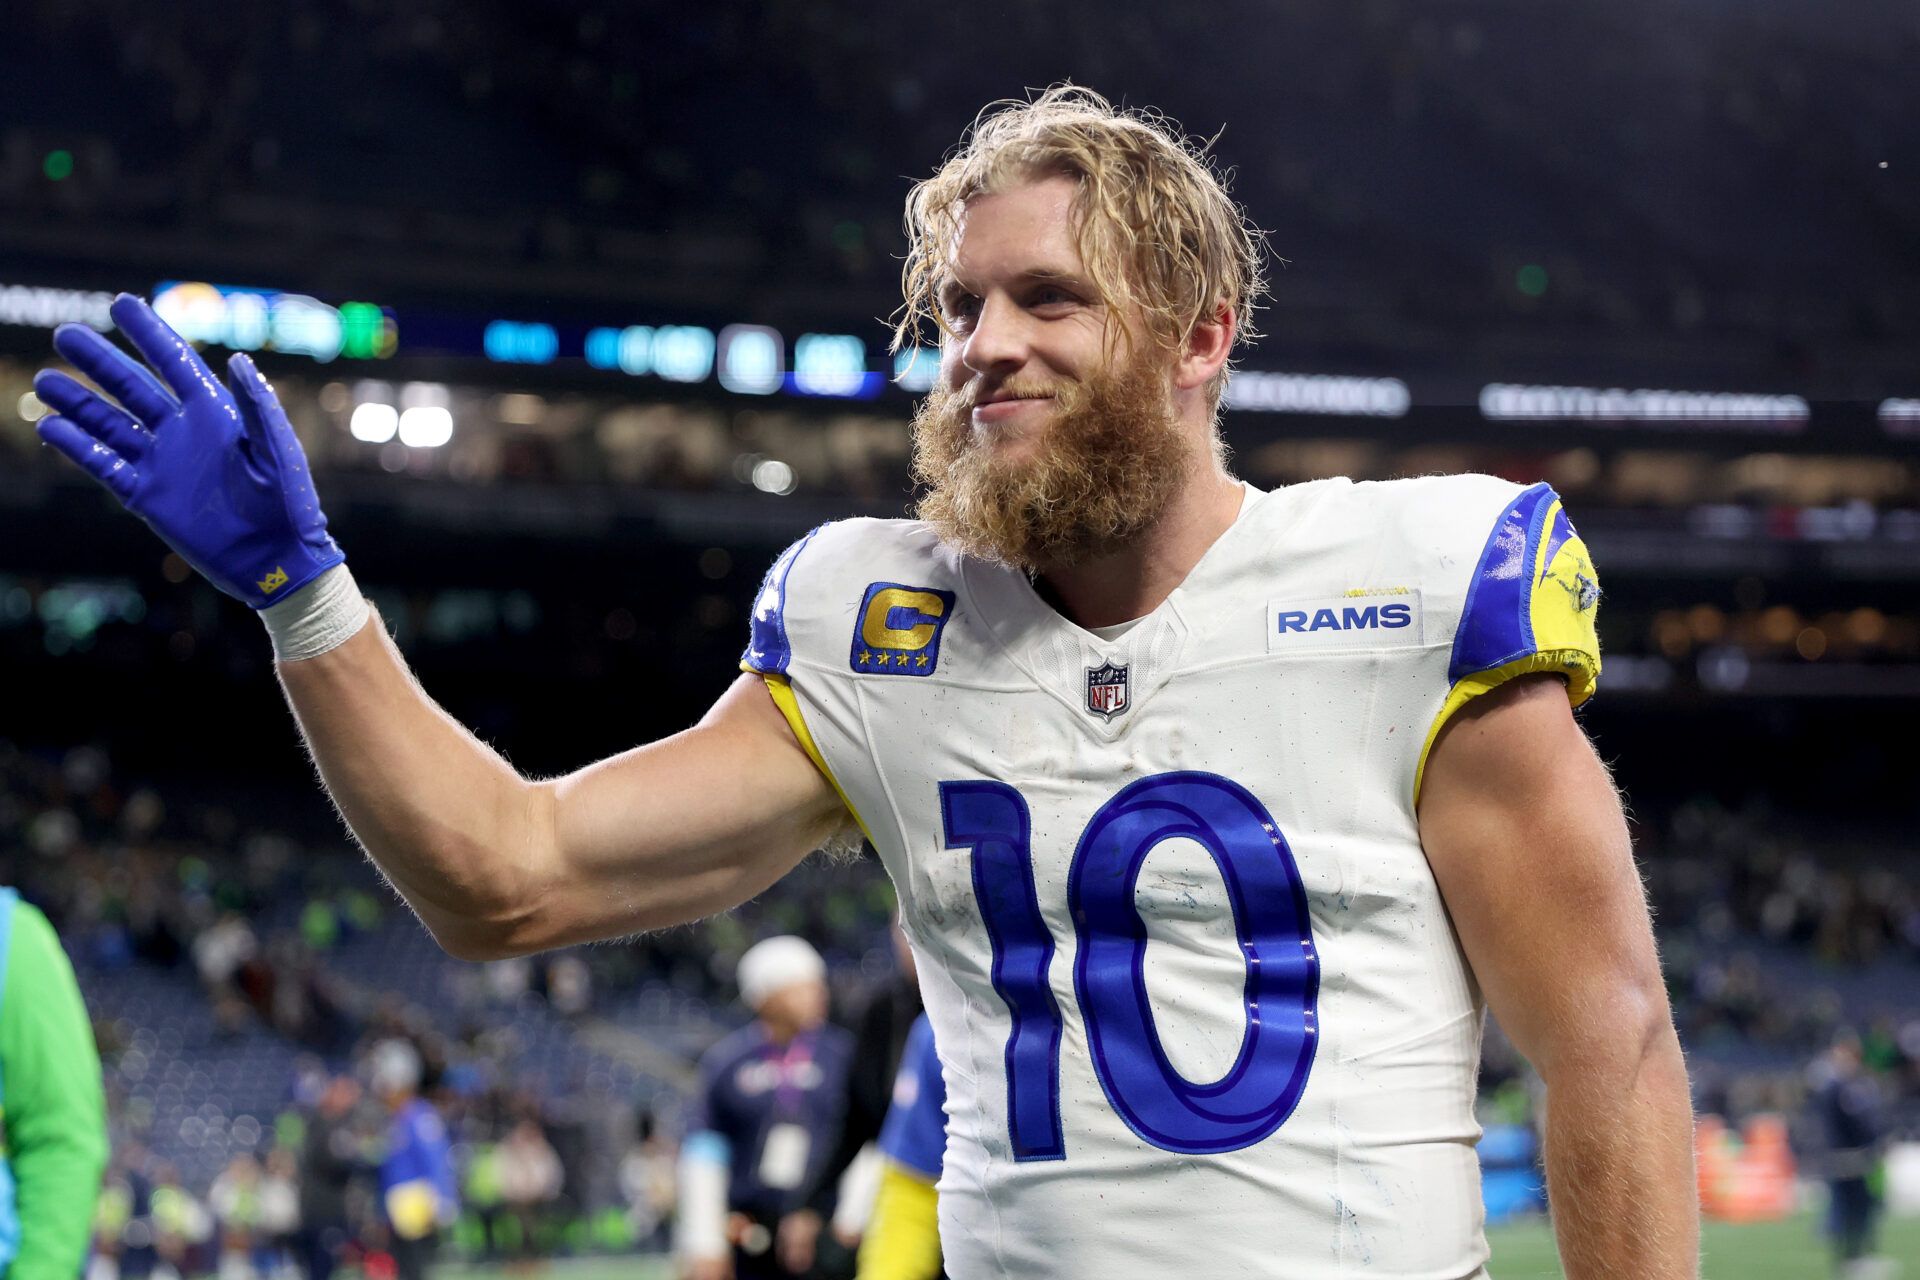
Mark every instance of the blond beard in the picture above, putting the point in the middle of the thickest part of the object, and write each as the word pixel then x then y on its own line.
pixel 1106 469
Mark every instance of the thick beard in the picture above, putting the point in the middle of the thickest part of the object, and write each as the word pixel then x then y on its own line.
pixel 1110 462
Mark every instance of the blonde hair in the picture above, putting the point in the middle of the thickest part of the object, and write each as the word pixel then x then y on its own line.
pixel 1154 223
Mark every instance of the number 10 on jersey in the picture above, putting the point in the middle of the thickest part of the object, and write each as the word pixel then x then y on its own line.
pixel 1271 922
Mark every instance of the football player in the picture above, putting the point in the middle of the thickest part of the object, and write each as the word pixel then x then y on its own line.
pixel 902 1241
pixel 1217 817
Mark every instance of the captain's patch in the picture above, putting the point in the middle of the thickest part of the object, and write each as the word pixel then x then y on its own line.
pixel 898 628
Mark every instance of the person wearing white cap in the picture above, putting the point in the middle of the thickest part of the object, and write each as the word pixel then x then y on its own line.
pixel 768 1113
pixel 416 1173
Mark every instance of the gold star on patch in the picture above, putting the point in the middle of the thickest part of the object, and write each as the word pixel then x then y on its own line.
pixel 921 661
pixel 866 655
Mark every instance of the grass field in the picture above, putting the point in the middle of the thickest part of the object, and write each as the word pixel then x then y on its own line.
pixel 1791 1250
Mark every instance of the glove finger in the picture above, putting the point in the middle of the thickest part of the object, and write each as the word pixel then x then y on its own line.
pixel 92 457
pixel 264 412
pixel 256 421
pixel 118 372
pixel 107 423
pixel 177 363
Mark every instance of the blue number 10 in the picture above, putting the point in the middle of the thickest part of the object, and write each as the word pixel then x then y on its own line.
pixel 1269 904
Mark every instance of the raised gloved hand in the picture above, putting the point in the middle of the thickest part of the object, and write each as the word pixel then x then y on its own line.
pixel 218 474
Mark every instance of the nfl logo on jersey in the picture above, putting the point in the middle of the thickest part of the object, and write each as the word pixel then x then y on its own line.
pixel 1106 690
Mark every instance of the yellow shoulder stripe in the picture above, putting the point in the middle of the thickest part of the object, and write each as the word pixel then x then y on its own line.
pixel 785 699
pixel 1577 666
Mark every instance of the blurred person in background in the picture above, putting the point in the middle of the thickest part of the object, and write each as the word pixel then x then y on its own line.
pixel 1846 1102
pixel 234 1199
pixel 279 1221
pixel 529 1180
pixel 879 1038
pixel 52 1104
pixel 767 1116
pixel 330 1158
pixel 648 1181
pixel 257 1209
pixel 182 1227
pixel 416 1173
pixel 902 1240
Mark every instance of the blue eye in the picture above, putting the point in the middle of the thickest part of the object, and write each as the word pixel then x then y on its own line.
pixel 960 307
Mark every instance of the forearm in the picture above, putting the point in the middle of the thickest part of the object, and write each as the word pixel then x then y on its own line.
pixel 1620 1175
pixel 451 823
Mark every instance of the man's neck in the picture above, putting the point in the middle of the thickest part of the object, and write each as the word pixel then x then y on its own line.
pixel 1132 582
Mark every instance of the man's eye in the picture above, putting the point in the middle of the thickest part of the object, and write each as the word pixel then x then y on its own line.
pixel 1051 296
pixel 963 307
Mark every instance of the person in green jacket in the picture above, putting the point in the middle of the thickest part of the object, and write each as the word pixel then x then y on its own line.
pixel 53 1129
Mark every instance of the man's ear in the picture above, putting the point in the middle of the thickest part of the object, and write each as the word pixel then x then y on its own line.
pixel 1208 345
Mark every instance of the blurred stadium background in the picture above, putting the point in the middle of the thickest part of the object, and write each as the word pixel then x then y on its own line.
pixel 578 308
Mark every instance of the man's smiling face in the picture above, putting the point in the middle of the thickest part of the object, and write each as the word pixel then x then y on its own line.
pixel 1047 439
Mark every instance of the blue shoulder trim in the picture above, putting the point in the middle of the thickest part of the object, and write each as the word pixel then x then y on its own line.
pixel 768 650
pixel 1496 624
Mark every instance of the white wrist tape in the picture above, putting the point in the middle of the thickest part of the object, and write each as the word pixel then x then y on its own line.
pixel 319 616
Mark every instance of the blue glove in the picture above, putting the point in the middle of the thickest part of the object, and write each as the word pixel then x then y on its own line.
pixel 219 475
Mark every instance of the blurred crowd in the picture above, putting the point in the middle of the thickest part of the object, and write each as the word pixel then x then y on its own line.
pixel 547 1154
pixel 529 1177
pixel 1777 944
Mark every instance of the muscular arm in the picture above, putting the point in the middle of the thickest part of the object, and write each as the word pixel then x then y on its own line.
pixel 1526 838
pixel 496 864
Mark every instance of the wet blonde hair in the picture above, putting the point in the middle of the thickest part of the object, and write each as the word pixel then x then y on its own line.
pixel 1154 223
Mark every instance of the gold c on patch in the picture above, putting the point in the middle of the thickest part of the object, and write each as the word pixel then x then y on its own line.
pixel 897 630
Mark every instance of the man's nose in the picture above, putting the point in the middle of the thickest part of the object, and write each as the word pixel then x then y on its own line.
pixel 998 342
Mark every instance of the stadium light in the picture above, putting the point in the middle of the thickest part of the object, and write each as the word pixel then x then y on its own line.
pixel 634 351
pixel 38 307
pixel 915 368
pixel 683 352
pixel 520 342
pixel 374 423
pixel 426 426
pixel 750 359
pixel 829 364
pixel 770 475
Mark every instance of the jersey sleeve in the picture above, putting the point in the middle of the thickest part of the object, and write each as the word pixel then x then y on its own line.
pixel 769 654
pixel 915 1131
pixel 902 1239
pixel 1529 608
pixel 769 646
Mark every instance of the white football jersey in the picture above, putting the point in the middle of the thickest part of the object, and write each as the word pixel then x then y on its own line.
pixel 1198 1005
